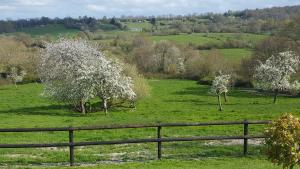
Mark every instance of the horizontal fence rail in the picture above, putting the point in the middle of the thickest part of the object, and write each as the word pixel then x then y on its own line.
pixel 159 140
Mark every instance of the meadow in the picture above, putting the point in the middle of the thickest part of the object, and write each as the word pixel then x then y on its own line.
pixel 107 36
pixel 170 101
pixel 138 26
pixel 206 38
pixel 234 55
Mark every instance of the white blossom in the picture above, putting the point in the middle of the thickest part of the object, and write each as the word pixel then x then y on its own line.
pixel 220 84
pixel 275 73
pixel 73 71
pixel 16 75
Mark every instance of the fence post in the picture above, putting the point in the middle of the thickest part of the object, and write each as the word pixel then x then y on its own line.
pixel 159 142
pixel 246 139
pixel 71 146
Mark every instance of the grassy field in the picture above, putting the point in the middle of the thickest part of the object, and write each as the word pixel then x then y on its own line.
pixel 206 38
pixel 198 39
pixel 53 30
pixel 233 55
pixel 170 101
pixel 212 163
pixel 138 26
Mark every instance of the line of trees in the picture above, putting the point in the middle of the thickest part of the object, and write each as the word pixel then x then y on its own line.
pixel 268 20
pixel 81 23
pixel 274 75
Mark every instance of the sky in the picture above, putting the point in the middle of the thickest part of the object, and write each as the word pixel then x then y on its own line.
pixel 19 9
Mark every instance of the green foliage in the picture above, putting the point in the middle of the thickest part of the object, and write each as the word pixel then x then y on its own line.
pixel 283 141
pixel 141 87
pixel 107 27
pixel 53 30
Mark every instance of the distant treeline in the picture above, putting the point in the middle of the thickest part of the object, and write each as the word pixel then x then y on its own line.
pixel 81 23
pixel 268 20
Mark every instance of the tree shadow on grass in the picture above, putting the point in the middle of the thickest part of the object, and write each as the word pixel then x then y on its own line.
pixel 203 91
pixel 238 92
pixel 62 110
pixel 191 101
pixel 51 110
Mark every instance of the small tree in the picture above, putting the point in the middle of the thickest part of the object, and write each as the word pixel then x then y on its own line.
pixel 113 84
pixel 220 86
pixel 275 73
pixel 283 141
pixel 16 74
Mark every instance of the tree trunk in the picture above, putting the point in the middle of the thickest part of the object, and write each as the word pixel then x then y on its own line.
pixel 104 102
pixel 132 104
pixel 88 107
pixel 225 96
pixel 219 101
pixel 275 96
pixel 82 107
pixel 15 84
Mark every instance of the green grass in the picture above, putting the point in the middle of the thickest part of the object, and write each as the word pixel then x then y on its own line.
pixel 137 25
pixel 219 163
pixel 208 38
pixel 187 38
pixel 53 30
pixel 170 101
pixel 234 54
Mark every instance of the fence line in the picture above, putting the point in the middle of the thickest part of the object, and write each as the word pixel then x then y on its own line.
pixel 159 140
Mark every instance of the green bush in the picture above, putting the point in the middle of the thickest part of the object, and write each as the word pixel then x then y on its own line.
pixel 283 141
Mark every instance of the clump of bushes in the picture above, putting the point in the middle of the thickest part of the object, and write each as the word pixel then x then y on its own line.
pixel 156 57
pixel 16 52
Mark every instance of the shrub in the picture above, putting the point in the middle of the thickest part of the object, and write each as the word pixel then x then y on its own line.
pixel 207 64
pixel 141 87
pixel 283 141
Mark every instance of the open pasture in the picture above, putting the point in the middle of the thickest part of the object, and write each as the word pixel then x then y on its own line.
pixel 170 101
pixel 207 38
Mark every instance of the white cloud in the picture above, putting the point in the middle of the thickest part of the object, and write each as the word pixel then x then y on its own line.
pixel 96 7
pixel 6 7
pixel 99 8
pixel 33 2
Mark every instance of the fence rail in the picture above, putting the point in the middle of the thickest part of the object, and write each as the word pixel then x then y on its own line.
pixel 159 140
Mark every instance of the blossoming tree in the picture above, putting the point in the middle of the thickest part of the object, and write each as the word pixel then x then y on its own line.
pixel 73 71
pixel 275 73
pixel 16 75
pixel 113 84
pixel 220 86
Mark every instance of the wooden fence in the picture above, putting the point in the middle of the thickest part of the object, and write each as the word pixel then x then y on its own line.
pixel 159 139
